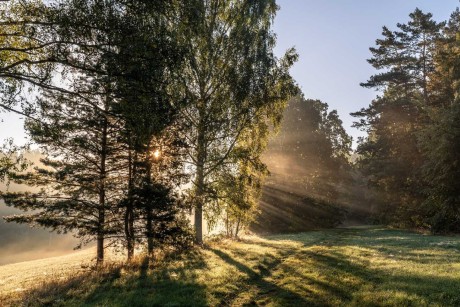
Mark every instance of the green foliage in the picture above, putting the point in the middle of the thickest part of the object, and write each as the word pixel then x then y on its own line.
pixel 441 170
pixel 440 139
pixel 11 160
pixel 412 131
pixel 313 135
pixel 157 203
pixel 96 121
pixel 406 55
pixel 234 83
pixel 122 95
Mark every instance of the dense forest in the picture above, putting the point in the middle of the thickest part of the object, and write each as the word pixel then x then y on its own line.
pixel 146 112
pixel 411 152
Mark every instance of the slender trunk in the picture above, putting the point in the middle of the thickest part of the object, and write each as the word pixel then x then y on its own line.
pixel 128 232
pixel 149 217
pixel 149 227
pixel 127 209
pixel 101 209
pixel 199 206
pixel 425 73
pixel 237 229
pixel 129 213
pixel 201 156
pixel 100 236
pixel 227 223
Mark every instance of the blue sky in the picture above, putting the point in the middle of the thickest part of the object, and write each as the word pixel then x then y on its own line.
pixel 332 38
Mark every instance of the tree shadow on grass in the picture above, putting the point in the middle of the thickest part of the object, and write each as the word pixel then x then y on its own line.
pixel 258 281
pixel 54 292
pixel 382 285
pixel 353 283
pixel 320 270
pixel 171 282
pixel 405 246
pixel 338 265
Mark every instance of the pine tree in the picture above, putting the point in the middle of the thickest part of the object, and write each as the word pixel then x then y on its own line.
pixel 149 61
pixel 390 156
pixel 97 122
pixel 75 128
pixel 439 139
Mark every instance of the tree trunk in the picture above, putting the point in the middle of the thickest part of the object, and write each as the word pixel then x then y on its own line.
pixel 237 229
pixel 149 227
pixel 227 225
pixel 199 207
pixel 129 214
pixel 199 224
pixel 425 71
pixel 128 232
pixel 101 209
pixel 100 238
pixel 149 213
pixel 201 156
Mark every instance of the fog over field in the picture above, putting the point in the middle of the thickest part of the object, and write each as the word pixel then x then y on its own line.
pixel 21 242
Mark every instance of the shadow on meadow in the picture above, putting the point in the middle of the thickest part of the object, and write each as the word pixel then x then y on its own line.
pixel 257 284
pixel 355 281
pixel 376 266
pixel 341 267
pixel 147 285
pixel 141 283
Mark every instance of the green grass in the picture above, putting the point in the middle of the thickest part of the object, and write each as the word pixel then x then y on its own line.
pixel 341 267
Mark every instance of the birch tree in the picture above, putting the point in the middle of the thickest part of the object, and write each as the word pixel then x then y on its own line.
pixel 232 79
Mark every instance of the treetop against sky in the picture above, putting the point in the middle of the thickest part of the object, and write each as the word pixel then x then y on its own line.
pixel 333 39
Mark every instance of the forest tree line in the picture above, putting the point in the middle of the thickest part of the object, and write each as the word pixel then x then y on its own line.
pixel 411 154
pixel 406 171
pixel 143 110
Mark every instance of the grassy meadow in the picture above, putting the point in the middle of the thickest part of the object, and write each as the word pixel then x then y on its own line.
pixel 369 266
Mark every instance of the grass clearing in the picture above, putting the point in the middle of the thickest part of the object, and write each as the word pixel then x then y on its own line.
pixel 340 267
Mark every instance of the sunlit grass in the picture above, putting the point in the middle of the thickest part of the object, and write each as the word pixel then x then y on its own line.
pixel 342 267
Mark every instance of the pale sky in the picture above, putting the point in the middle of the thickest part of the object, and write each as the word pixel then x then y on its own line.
pixel 332 38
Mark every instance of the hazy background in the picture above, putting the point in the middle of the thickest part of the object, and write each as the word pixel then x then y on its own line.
pixel 20 242
pixel 310 185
